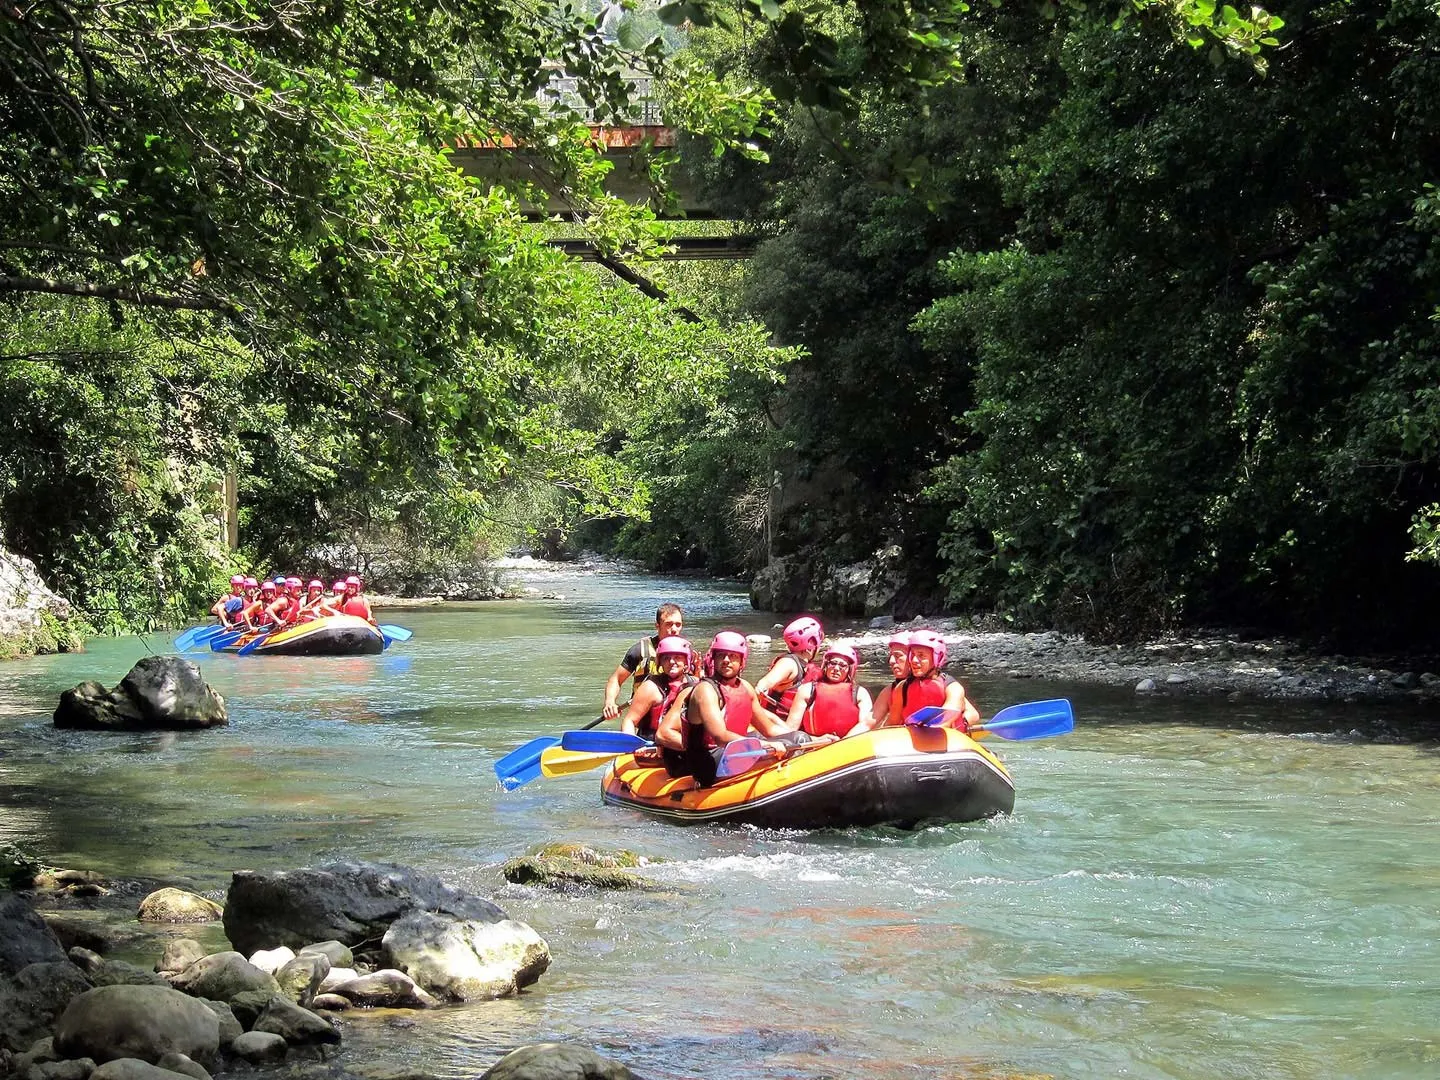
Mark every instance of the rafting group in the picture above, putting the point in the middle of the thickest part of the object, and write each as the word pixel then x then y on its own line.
pixel 284 617
pixel 694 707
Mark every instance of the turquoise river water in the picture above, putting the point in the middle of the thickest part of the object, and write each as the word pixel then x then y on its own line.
pixel 1187 889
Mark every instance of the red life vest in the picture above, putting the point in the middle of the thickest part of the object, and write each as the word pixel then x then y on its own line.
pixel 357 606
pixel 808 672
pixel 737 707
pixel 650 723
pixel 915 694
pixel 833 710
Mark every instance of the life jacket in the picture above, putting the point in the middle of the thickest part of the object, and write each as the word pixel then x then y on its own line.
pixel 650 722
pixel 737 708
pixel 914 694
pixel 808 672
pixel 833 710
pixel 357 606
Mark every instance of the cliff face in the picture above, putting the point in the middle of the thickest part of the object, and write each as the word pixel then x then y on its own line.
pixel 33 619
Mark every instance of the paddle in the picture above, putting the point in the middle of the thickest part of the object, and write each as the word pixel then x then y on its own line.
pixel 601 742
pixel 226 639
pixel 557 761
pixel 199 635
pixel 254 643
pixel 391 633
pixel 740 756
pixel 522 764
pixel 1028 720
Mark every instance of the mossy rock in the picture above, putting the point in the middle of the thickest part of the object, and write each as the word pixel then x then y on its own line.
pixel 567 866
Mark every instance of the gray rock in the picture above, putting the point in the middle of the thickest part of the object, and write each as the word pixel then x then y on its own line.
pixel 147 1022
pixel 132 1069
pixel 70 1069
pixel 346 902
pixel 102 972
pixel 272 960
pixel 221 976
pixel 164 693
pixel 331 1003
pixel 464 960
pixel 230 1028
pixel 24 937
pixel 1145 686
pixel 86 933
pixel 337 953
pixel 297 1026
pixel 385 989
pixel 32 998
pixel 41 1051
pixel 783 585
pixel 556 1061
pixel 178 906
pixel 248 1006
pixel 179 1063
pixel 881 622
pixel 260 1047
pixel 300 979
pixel 334 977
pixel 180 954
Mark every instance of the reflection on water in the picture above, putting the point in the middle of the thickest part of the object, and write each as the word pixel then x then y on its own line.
pixel 1187 889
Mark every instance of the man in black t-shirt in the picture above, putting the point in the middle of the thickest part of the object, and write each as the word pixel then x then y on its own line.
pixel 639 660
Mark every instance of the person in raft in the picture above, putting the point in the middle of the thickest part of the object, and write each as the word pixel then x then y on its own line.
pixel 640 660
pixel 836 705
pixel 794 669
pixel 285 608
pixel 315 606
pixel 655 696
pixel 897 656
pixel 927 685
pixel 256 612
pixel 355 602
pixel 228 608
pixel 720 709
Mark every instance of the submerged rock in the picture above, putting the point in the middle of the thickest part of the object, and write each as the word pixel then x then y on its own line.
pixel 556 1061
pixel 178 906
pixel 574 866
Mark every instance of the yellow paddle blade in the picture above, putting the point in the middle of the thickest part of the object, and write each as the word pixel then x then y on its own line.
pixel 560 762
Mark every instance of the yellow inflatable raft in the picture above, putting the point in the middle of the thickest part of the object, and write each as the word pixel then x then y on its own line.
pixel 895 776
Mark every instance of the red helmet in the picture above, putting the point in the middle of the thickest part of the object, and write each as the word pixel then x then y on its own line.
pixel 803 634
pixel 671 646
pixel 928 639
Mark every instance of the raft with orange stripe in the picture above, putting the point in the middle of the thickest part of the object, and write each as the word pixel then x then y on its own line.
pixel 894 776
pixel 330 635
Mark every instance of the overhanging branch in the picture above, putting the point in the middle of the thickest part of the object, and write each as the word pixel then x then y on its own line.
pixel 123 293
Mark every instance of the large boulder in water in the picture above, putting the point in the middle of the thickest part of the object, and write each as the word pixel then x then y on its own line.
pixel 160 693
pixel 556 1061
pixel 32 998
pixel 345 902
pixel 145 1022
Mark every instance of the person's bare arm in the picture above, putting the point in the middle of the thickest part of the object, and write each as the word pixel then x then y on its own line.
pixel 762 719
pixel 880 710
pixel 798 706
pixel 612 691
pixel 671 733
pixel 647 695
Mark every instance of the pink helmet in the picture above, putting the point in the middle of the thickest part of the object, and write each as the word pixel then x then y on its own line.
pixel 353 580
pixel 928 639
pixel 251 583
pixel 802 634
pixel 727 641
pixel 900 639
pixel 671 645
pixel 846 653
pixel 238 579
pixel 267 586
pixel 292 583
pixel 315 583
pixel 339 586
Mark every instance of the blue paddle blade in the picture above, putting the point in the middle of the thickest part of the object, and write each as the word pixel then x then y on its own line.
pixel 251 645
pixel 226 639
pixel 601 742
pixel 740 756
pixel 522 764
pixel 185 640
pixel 1031 720
pixel 932 716
pixel 395 633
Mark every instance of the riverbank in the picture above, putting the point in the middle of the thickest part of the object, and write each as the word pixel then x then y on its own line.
pixel 1217 664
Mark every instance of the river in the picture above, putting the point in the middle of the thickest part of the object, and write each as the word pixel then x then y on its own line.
pixel 1188 889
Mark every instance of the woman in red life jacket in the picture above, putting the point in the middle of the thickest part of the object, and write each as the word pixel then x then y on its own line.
pixel 314 605
pixel 355 602
pixel 927 685
pixel 286 608
pixel 789 672
pixel 657 694
pixel 257 613
pixel 835 706
pixel 897 655
pixel 721 708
